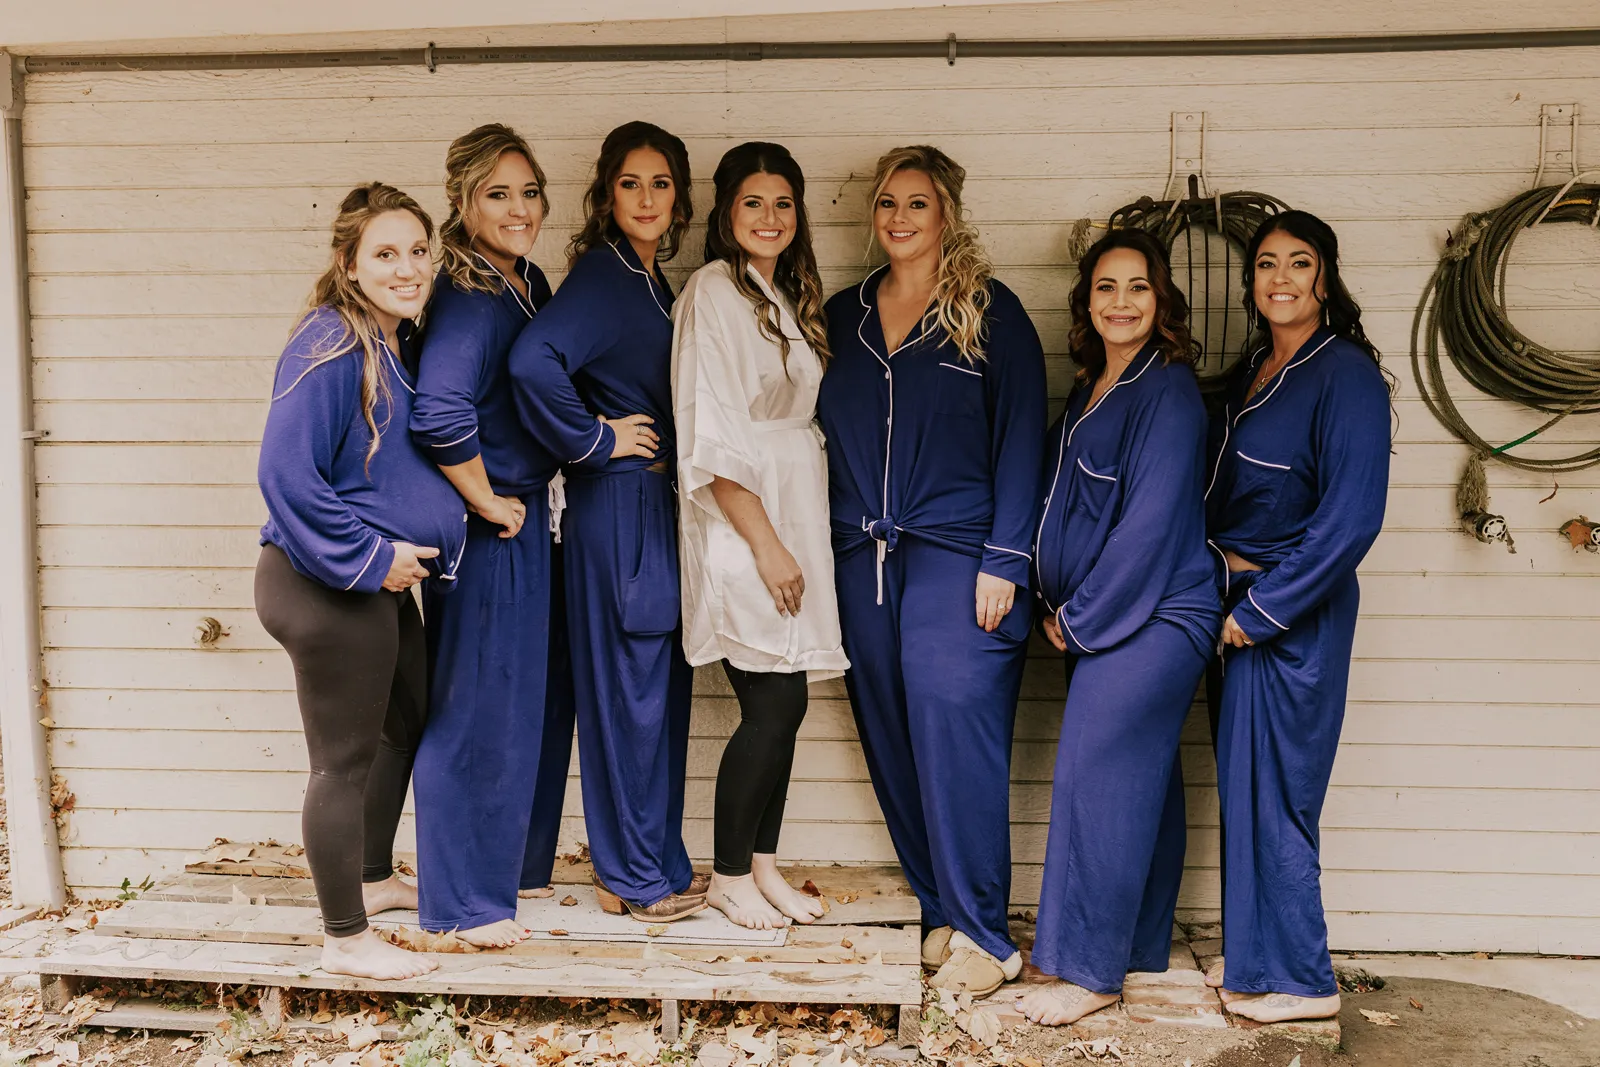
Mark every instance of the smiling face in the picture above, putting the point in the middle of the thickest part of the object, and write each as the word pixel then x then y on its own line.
pixel 642 197
pixel 1288 282
pixel 908 218
pixel 506 212
pixel 393 265
pixel 764 219
pixel 1122 302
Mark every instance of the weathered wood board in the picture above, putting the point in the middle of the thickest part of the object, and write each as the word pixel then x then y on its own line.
pixel 492 974
pixel 871 894
pixel 268 925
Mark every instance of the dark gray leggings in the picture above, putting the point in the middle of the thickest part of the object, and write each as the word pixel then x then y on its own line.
pixel 360 670
pixel 753 779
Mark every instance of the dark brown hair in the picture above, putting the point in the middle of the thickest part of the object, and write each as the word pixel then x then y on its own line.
pixel 795 275
pixel 599 227
pixel 1340 312
pixel 1172 307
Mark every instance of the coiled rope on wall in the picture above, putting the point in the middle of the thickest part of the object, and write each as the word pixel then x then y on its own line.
pixel 1462 313
pixel 1233 216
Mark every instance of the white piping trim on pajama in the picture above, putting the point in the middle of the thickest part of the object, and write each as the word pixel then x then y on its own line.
pixel 963 370
pixel 598 437
pixel 364 566
pixel 1013 551
pixel 1262 462
pixel 1062 619
pixel 1250 594
pixel 457 441
pixel 1092 474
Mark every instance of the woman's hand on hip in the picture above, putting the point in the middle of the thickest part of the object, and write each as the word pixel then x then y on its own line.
pixel 1233 635
pixel 506 511
pixel 634 436
pixel 995 597
pixel 781 573
pixel 407 569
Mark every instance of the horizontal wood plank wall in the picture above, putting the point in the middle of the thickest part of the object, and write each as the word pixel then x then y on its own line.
pixel 176 220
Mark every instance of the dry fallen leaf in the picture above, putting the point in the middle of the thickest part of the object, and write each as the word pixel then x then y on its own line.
pixel 569 901
pixel 1480 955
pixel 558 933
pixel 656 930
pixel 321 1017
pixel 357 1031
pixel 1415 1003
pixel 184 1044
pixel 1029 1061
pixel 1380 1018
pixel 847 943
pixel 847 898
pixel 810 889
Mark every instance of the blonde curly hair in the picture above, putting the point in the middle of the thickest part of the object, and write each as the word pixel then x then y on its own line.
pixel 467 165
pixel 961 287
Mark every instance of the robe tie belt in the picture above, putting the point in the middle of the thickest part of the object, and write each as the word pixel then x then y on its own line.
pixel 887 534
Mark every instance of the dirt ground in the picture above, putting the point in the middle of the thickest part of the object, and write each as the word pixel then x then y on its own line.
pixel 1457 1026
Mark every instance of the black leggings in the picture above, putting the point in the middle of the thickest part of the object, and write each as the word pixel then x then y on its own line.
pixel 753 780
pixel 360 670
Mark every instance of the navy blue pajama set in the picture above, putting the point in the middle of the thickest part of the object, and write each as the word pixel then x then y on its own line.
pixel 603 347
pixel 492 641
pixel 1299 480
pixel 1123 566
pixel 933 469
pixel 334 514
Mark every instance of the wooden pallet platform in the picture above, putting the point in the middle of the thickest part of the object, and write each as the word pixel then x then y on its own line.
pixel 856 896
pixel 655 975
pixel 264 931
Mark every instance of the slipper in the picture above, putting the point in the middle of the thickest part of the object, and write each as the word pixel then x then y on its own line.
pixel 972 970
pixel 936 948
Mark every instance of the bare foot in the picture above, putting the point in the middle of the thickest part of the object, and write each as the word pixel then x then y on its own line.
pixel 1214 974
pixel 389 895
pixel 743 904
pixel 503 934
pixel 1283 1007
pixel 542 892
pixel 1061 1003
pixel 780 894
pixel 366 955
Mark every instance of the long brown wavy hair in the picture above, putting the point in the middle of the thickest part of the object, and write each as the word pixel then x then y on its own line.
pixel 1172 307
pixel 961 287
pixel 467 165
pixel 795 275
pixel 599 226
pixel 337 290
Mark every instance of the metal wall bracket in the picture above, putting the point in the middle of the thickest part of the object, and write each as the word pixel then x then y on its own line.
pixel 1186 154
pixel 10 85
pixel 1558 141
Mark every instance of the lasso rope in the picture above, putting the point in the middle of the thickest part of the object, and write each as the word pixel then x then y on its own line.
pixel 1463 312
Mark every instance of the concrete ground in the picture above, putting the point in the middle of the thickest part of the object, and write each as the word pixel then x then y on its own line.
pixel 1573 984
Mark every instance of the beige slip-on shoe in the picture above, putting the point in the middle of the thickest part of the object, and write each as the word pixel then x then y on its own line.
pixel 972 970
pixel 936 948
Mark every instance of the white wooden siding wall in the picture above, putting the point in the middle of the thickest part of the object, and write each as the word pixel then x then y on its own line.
pixel 176 221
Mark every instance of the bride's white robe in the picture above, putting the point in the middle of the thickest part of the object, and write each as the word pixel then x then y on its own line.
pixel 741 414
